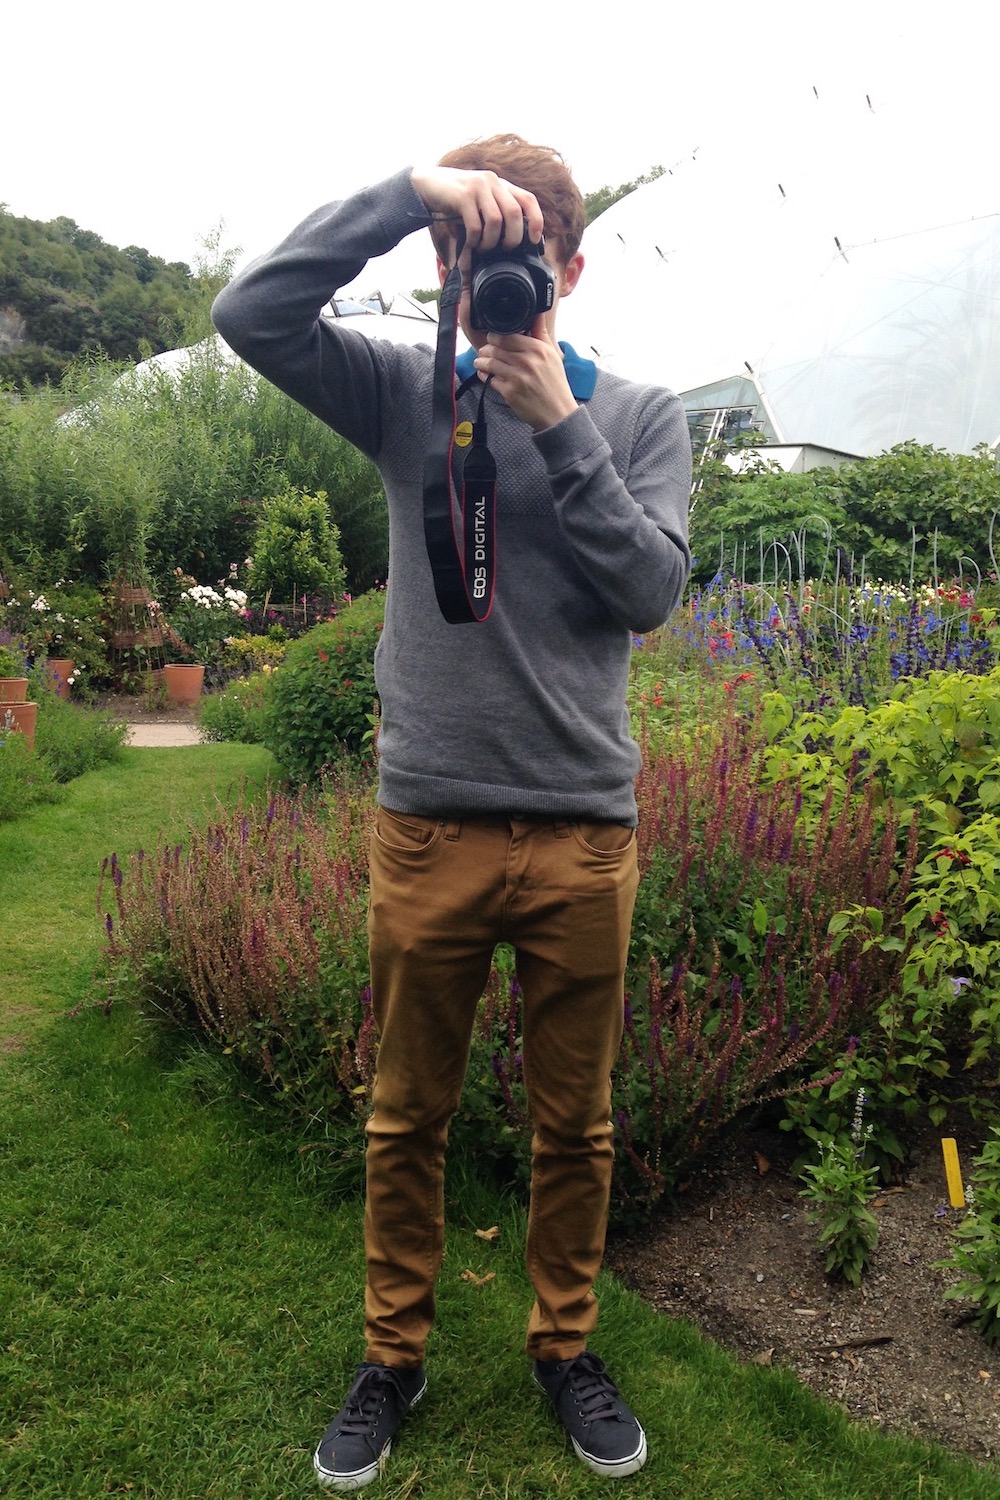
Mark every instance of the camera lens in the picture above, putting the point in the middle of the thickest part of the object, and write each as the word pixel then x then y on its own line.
pixel 504 298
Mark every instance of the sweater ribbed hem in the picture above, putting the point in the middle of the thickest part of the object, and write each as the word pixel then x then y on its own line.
pixel 437 796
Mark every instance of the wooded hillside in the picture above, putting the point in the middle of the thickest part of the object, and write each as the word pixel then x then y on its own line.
pixel 64 291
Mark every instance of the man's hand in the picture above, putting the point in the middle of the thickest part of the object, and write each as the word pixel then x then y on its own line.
pixel 528 372
pixel 527 369
pixel 492 210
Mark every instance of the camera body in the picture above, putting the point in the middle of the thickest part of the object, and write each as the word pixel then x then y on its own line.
pixel 510 287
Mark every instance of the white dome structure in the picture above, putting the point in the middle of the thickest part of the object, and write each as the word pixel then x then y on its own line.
pixel 830 279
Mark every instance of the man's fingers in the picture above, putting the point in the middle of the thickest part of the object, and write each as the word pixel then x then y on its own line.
pixel 492 210
pixel 503 209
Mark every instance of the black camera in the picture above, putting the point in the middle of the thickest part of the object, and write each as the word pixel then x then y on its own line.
pixel 511 287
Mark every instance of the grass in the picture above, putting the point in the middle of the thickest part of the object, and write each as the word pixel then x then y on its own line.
pixel 49 863
pixel 180 1287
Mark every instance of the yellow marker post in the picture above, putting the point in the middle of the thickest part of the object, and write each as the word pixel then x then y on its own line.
pixel 953 1172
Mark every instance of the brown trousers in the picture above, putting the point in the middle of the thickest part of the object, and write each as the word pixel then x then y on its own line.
pixel 443 894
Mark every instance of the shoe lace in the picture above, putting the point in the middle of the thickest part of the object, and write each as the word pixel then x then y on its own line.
pixel 594 1392
pixel 362 1408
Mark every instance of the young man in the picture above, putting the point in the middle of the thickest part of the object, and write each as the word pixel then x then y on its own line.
pixel 506 804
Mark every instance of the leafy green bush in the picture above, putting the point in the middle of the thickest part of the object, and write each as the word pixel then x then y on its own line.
pixel 202 622
pixel 238 711
pixel 976 1257
pixel 323 697
pixel 11 664
pixel 192 455
pixel 254 653
pixel 913 511
pixel 25 778
pixel 933 754
pixel 296 549
pixel 72 739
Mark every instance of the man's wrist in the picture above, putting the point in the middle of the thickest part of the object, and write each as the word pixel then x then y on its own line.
pixel 555 414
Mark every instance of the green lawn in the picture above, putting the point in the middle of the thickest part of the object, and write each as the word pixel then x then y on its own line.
pixel 180 1287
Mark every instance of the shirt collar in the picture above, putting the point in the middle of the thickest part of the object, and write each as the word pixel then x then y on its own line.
pixel 581 373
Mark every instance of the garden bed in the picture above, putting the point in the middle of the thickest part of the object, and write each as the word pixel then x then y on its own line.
pixel 737 1257
pixel 135 709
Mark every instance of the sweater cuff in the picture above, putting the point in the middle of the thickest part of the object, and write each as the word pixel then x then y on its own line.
pixel 401 209
pixel 568 441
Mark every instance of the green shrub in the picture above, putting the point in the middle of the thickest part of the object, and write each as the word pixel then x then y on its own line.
pixel 932 753
pixel 254 653
pixel 11 663
pixel 296 549
pixel 238 711
pixel 840 1188
pixel 72 739
pixel 976 1257
pixel 323 697
pixel 197 450
pixel 913 507
pixel 25 778
pixel 61 620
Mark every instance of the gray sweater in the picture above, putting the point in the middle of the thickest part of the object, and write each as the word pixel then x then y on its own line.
pixel 524 713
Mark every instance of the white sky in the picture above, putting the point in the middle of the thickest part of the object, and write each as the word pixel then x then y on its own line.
pixel 151 125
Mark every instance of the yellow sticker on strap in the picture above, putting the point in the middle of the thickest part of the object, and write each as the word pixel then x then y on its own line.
pixel 463 434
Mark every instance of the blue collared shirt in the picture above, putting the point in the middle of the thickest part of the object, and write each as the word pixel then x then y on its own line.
pixel 581 373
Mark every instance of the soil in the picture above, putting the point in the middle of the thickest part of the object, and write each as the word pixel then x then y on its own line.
pixel 136 709
pixel 736 1256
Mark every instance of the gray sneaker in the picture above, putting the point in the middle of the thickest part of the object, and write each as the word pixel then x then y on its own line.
pixel 605 1433
pixel 353 1449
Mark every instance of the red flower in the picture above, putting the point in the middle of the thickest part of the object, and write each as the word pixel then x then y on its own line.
pixel 322 654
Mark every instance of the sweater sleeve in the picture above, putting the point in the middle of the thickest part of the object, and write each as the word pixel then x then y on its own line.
pixel 629 536
pixel 270 313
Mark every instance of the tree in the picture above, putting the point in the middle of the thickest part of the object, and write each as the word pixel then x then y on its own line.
pixel 913 508
pixel 74 293
pixel 602 198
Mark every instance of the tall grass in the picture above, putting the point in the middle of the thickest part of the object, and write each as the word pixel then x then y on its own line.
pixel 181 462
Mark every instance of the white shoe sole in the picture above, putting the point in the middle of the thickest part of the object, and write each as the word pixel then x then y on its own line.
pixel 614 1468
pixel 360 1477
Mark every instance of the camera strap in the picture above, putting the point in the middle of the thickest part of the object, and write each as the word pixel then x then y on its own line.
pixel 461 540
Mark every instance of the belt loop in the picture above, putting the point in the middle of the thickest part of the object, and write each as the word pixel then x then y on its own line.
pixel 453 828
pixel 561 827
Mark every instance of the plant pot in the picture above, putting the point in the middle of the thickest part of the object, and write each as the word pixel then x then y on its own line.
pixel 183 683
pixel 19 716
pixel 60 670
pixel 13 689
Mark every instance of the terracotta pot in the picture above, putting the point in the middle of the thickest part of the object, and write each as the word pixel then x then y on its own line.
pixel 60 670
pixel 183 683
pixel 19 716
pixel 13 689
